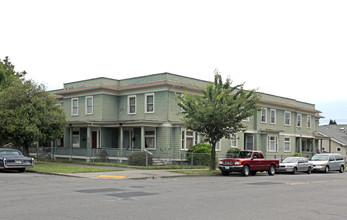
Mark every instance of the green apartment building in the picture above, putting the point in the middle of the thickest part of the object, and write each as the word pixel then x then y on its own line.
pixel 123 116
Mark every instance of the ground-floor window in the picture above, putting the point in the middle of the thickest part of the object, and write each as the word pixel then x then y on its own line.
pixel 187 139
pixel 272 143
pixel 249 142
pixel 76 138
pixel 150 139
pixel 233 141
pixel 286 144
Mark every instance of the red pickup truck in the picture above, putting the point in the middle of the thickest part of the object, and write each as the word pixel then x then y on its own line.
pixel 248 162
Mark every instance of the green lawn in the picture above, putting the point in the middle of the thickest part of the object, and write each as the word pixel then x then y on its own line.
pixel 197 172
pixel 66 168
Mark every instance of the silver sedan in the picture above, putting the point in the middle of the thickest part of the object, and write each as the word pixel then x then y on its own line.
pixel 295 164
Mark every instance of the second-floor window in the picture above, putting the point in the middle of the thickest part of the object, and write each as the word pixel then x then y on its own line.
pixel 299 119
pixel 74 106
pixel 263 115
pixel 308 121
pixel 273 116
pixel 132 104
pixel 89 105
pixel 149 103
pixel 287 116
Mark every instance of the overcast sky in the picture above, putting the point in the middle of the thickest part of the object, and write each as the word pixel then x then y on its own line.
pixel 295 49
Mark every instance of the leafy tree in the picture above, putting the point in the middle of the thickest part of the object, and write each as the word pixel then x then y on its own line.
pixel 8 74
pixel 219 111
pixel 332 122
pixel 28 113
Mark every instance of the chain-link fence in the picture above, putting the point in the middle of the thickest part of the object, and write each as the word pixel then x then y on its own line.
pixel 181 158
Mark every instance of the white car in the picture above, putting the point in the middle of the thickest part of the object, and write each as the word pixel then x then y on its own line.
pixel 295 164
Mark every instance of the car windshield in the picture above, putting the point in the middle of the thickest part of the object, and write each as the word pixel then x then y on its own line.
pixel 10 152
pixel 320 157
pixel 244 154
pixel 290 160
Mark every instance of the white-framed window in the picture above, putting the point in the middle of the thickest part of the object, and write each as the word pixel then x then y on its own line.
pixel 149 103
pixel 74 106
pixel 132 104
pixel 249 142
pixel 272 143
pixel 273 116
pixel 150 139
pixel 187 139
pixel 89 102
pixel 246 119
pixel 263 115
pixel 219 146
pixel 233 141
pixel 308 121
pixel 338 149
pixel 298 120
pixel 287 118
pixel 287 147
pixel 75 137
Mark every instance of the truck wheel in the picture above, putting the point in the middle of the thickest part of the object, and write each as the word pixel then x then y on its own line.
pixel 272 170
pixel 326 170
pixel 225 173
pixel 309 170
pixel 341 169
pixel 295 170
pixel 245 170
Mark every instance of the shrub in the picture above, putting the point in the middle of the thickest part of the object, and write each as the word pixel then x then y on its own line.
pixel 297 155
pixel 139 159
pixel 201 154
pixel 233 152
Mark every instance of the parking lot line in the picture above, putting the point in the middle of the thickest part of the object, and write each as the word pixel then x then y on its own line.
pixel 108 176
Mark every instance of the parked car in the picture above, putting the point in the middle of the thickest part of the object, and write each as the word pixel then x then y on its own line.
pixel 295 164
pixel 248 163
pixel 328 161
pixel 12 159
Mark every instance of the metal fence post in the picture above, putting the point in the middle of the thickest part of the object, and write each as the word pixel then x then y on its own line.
pixel 146 160
pixel 192 161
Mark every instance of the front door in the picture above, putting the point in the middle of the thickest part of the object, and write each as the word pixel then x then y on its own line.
pixel 94 139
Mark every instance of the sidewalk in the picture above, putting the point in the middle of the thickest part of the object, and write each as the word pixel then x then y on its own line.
pixel 128 174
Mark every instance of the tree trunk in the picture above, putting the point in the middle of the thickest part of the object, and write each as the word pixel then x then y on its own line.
pixel 213 157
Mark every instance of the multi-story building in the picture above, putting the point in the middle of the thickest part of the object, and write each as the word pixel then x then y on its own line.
pixel 122 116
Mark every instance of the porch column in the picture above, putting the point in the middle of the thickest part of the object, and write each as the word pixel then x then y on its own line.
pixel 121 140
pixel 314 146
pixel 142 138
pixel 71 142
pixel 89 141
pixel 299 145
